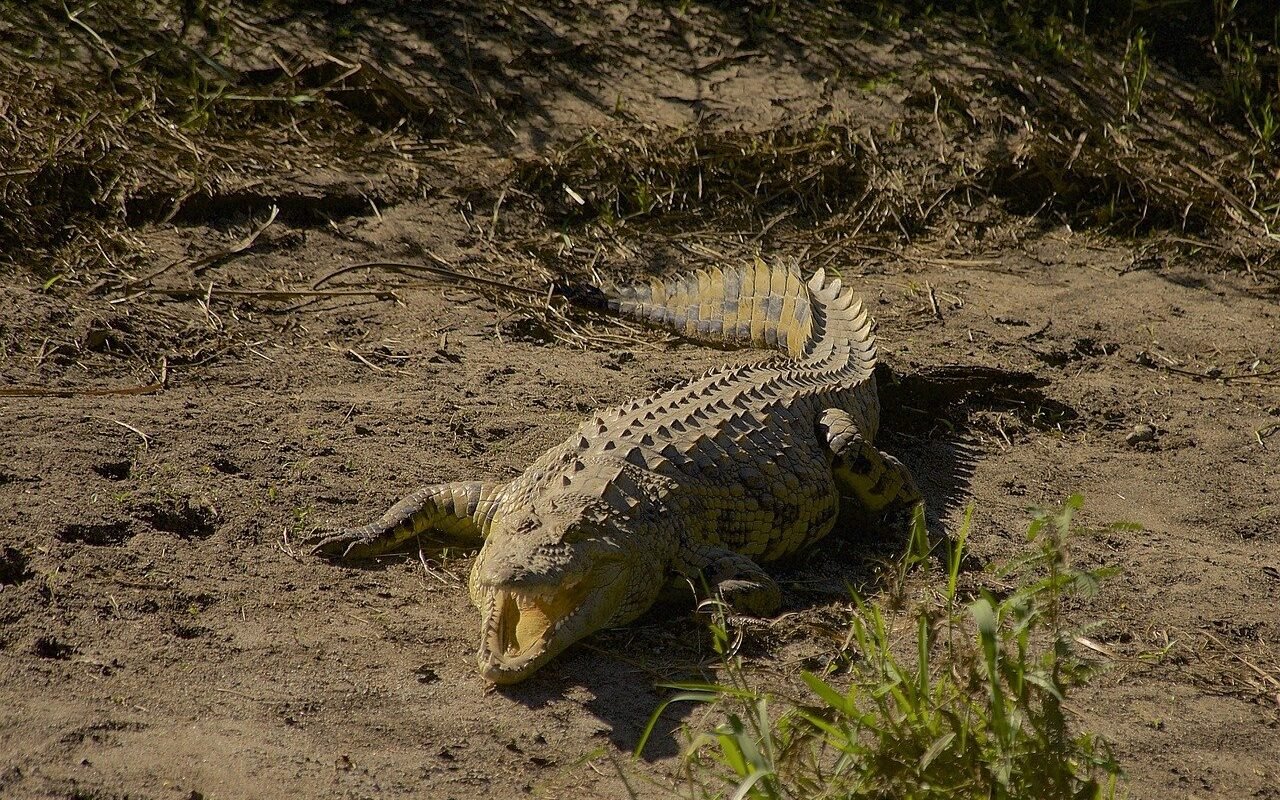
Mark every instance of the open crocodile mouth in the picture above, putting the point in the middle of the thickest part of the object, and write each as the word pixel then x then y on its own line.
pixel 522 626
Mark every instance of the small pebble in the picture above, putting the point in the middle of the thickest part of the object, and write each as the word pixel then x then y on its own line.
pixel 1142 432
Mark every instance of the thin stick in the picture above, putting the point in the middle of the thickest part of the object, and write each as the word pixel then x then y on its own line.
pixel 287 548
pixel 433 573
pixel 238 694
pixel 239 247
pixel 156 274
pixel 363 360
pixel 260 354
pixel 41 391
pixel 146 440
pixel 1266 676
pixel 437 270
pixel 273 294
pixel 204 262
pixel 1201 376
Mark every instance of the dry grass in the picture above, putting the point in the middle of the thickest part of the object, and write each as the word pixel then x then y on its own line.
pixel 695 178
pixel 115 116
pixel 118 114
pixel 1060 123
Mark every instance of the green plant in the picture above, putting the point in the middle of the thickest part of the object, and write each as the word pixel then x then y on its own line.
pixel 1136 68
pixel 975 709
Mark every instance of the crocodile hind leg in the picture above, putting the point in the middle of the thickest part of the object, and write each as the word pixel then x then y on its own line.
pixel 457 513
pixel 878 480
pixel 736 579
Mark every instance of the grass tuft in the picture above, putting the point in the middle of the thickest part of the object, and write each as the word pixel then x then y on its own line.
pixel 696 177
pixel 962 697
pixel 118 114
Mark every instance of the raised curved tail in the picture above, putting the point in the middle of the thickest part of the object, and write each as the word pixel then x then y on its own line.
pixel 766 306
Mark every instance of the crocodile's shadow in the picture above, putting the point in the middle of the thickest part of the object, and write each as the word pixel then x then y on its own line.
pixel 929 420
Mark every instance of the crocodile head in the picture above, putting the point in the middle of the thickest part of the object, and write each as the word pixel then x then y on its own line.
pixel 551 575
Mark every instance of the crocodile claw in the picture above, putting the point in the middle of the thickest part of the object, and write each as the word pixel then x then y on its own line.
pixel 339 545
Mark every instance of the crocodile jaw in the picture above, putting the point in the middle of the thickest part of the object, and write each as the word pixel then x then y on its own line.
pixel 524 628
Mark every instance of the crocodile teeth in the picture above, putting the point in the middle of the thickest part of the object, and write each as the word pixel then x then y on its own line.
pixel 525 619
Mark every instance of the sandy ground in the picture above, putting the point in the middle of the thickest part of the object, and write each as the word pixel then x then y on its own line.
pixel 159 637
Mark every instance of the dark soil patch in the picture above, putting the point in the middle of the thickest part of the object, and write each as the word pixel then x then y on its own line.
pixel 51 647
pixel 114 470
pixel 14 566
pixel 185 516
pixel 98 534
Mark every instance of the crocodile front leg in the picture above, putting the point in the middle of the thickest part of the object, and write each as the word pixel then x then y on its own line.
pixel 458 513
pixel 876 478
pixel 736 579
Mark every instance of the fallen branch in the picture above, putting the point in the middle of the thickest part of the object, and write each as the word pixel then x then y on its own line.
pixel 273 294
pixel 443 271
pixel 41 391
pixel 213 259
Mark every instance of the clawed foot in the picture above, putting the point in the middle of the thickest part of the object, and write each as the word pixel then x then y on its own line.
pixel 901 518
pixel 342 544
pixel 754 599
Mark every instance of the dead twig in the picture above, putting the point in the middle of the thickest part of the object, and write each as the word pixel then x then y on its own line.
pixel 1267 677
pixel 284 546
pixel 1251 379
pixel 260 354
pixel 352 352
pixel 41 391
pixel 443 271
pixel 146 440
pixel 213 259
pixel 272 294
pixel 434 573
pixel 239 247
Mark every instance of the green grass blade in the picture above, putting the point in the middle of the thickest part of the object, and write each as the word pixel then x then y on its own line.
pixel 936 749
pixel 698 697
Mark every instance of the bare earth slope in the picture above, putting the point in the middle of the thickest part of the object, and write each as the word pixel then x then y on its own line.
pixel 159 637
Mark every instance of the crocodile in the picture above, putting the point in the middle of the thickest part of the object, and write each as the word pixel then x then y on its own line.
pixel 696 486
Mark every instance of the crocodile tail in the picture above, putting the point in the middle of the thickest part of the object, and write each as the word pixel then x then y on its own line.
pixel 757 304
pixel 842 336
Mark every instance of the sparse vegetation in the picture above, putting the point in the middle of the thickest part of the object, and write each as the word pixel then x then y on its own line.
pixel 1137 67
pixel 214 221
pixel 1235 47
pixel 958 697
pixel 118 114
pixel 695 178
pixel 1084 122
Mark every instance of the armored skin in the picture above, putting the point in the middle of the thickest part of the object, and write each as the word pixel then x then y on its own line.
pixel 695 486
